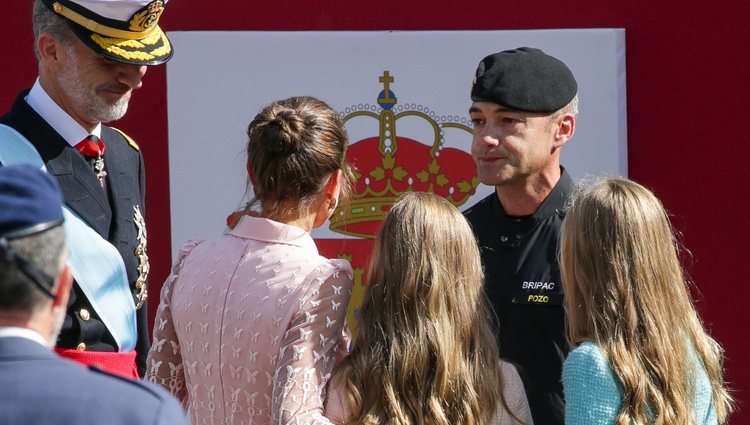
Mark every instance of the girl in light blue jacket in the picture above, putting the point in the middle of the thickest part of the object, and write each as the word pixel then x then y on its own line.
pixel 642 355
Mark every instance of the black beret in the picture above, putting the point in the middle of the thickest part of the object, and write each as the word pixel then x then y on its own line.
pixel 30 201
pixel 525 79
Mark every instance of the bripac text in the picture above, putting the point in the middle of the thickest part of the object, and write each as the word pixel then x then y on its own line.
pixel 547 286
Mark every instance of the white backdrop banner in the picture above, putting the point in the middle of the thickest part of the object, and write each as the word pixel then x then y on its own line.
pixel 218 81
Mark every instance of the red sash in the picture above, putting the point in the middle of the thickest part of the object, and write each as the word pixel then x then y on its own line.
pixel 122 364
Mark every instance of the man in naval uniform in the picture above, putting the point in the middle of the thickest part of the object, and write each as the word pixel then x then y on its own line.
pixel 524 111
pixel 36 386
pixel 92 54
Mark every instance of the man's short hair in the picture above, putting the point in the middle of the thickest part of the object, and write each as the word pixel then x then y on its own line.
pixel 43 250
pixel 46 21
pixel 570 108
pixel 32 238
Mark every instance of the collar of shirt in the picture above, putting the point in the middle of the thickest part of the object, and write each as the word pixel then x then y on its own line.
pixel 58 119
pixel 13 331
pixel 557 199
pixel 266 230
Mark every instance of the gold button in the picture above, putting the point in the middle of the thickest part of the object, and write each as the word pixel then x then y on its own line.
pixel 85 315
pixel 81 346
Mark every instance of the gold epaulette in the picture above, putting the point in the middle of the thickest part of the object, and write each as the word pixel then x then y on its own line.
pixel 131 142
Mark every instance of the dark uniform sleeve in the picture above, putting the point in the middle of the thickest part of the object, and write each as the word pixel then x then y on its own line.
pixel 143 344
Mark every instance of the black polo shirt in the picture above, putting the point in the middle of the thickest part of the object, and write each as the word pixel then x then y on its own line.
pixel 522 281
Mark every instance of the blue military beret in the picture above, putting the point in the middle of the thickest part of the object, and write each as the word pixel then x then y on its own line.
pixel 30 201
pixel 525 79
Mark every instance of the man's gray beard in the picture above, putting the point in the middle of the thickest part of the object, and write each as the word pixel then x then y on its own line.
pixel 93 105
pixel 57 324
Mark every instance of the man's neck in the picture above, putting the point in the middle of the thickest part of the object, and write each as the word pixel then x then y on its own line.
pixel 524 197
pixel 60 121
pixel 30 324
pixel 64 102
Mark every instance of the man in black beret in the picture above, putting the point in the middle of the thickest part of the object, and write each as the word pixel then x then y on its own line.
pixel 524 111
pixel 92 55
pixel 37 386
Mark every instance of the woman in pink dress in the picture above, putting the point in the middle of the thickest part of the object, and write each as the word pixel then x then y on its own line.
pixel 249 325
pixel 425 352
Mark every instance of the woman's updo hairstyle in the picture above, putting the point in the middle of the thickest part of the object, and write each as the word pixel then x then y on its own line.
pixel 294 146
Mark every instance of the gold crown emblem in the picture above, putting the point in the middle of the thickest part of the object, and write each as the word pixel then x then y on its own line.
pixel 388 165
pixel 147 17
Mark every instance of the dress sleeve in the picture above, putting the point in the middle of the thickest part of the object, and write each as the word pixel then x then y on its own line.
pixel 336 409
pixel 164 362
pixel 592 392
pixel 308 352
pixel 515 396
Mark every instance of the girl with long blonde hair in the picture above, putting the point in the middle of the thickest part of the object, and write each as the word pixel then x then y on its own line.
pixel 642 353
pixel 425 352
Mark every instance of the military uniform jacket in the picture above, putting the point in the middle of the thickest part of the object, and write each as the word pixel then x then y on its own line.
pixel 113 218
pixel 38 387
pixel 522 281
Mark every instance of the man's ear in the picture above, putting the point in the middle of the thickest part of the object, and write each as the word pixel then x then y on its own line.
pixel 64 283
pixel 50 51
pixel 565 130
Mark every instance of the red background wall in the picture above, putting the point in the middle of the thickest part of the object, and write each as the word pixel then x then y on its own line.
pixel 688 82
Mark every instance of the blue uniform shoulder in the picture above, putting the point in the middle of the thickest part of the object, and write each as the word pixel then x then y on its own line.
pixel 144 387
pixel 155 404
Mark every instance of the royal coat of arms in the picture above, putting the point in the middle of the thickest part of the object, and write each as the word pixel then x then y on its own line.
pixel 387 165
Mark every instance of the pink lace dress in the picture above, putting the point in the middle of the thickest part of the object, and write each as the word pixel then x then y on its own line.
pixel 250 325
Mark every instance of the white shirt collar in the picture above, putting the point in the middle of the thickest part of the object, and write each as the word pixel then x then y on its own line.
pixel 58 119
pixel 13 331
